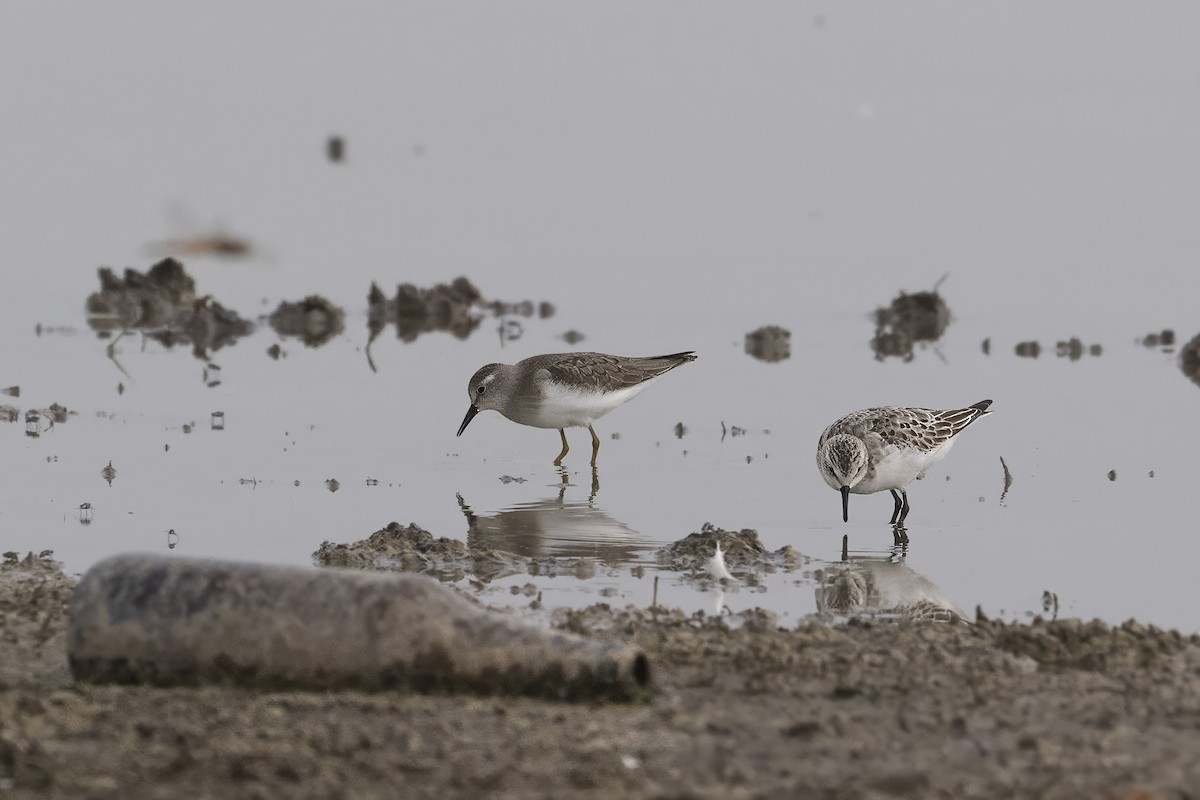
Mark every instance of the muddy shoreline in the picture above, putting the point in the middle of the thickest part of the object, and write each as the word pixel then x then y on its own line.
pixel 869 708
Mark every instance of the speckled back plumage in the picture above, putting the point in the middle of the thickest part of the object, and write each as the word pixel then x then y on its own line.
pixel 920 428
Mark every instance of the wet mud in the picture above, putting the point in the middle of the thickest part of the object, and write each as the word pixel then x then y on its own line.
pixel 746 705
pixel 1189 360
pixel 411 548
pixel 769 343
pixel 163 305
pixel 908 321
pixel 314 320
pixel 742 551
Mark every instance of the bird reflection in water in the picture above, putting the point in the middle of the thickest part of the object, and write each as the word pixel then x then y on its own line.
pixel 557 527
pixel 882 584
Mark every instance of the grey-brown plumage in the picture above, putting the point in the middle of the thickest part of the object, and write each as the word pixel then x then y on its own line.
pixel 563 390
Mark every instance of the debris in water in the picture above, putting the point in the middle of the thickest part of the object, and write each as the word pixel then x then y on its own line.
pixel 1029 349
pixel 33 424
pixel 987 346
pixel 276 352
pixel 9 413
pixel 85 514
pixel 911 319
pixel 314 320
pixel 506 479
pixel 1050 604
pixel 172 539
pixel 212 375
pixel 1073 349
pixel 109 473
pixel 335 149
pixel 332 485
pixel 1165 339
pixel 572 337
pixel 454 308
pixel 680 430
pixel 12 391
pixel 1112 474
pixel 769 343
pixel 162 303
pixel 1189 360
pixel 218 420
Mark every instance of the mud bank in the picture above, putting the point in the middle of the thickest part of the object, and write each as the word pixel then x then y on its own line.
pixel 751 709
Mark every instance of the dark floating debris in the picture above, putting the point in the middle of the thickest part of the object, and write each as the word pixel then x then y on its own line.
pixel 218 421
pixel 911 319
pixel 1073 349
pixel 1164 339
pixel 456 308
pixel 332 484
pixel 769 343
pixel 1029 349
pixel 572 337
pixel 9 413
pixel 680 430
pixel 507 479
pixel 109 473
pixel 1008 480
pixel 1112 474
pixel 135 619
pixel 276 352
pixel 172 539
pixel 335 149
pixel 1189 360
pixel 1050 604
pixel 211 377
pixel 163 305
pixel 987 346
pixel 446 307
pixel 12 391
pixel 85 514
pixel 37 420
pixel 314 320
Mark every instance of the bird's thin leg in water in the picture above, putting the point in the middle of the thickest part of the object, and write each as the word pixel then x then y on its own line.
pixel 899 506
pixel 904 510
pixel 595 444
pixel 558 461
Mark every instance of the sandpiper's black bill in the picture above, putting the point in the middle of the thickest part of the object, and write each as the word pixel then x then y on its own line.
pixel 471 412
pixel 845 497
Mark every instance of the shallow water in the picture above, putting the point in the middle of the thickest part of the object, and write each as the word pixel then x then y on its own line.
pixel 670 181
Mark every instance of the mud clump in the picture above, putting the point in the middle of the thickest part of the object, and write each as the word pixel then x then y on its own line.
pixel 1073 349
pixel 769 343
pixel 911 319
pixel 1164 339
pixel 162 303
pixel 456 308
pixel 1030 349
pixel 314 320
pixel 1189 360
pixel 741 550
pixel 414 549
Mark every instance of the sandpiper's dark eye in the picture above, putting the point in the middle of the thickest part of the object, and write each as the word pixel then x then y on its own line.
pixel 480 389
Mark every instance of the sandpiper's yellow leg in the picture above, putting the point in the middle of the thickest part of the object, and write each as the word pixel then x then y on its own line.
pixel 595 444
pixel 558 461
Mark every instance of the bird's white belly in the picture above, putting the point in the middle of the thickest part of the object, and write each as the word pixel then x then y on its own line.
pixel 565 407
pixel 900 466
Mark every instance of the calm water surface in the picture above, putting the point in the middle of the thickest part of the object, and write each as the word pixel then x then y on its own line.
pixel 669 179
